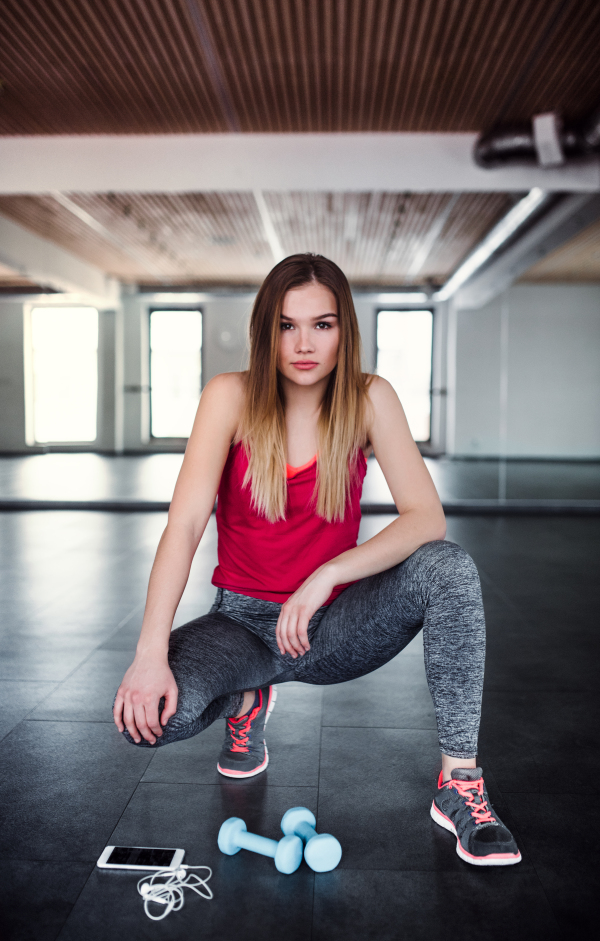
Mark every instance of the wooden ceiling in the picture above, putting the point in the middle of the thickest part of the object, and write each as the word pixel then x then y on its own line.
pixel 204 66
pixel 377 238
pixel 166 66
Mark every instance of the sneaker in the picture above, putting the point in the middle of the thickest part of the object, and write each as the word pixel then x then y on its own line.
pixel 463 807
pixel 244 752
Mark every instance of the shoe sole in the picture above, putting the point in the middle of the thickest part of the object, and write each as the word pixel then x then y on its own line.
pixel 262 767
pixel 494 859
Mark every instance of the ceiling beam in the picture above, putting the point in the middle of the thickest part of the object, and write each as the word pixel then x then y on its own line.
pixel 48 265
pixel 560 224
pixel 269 162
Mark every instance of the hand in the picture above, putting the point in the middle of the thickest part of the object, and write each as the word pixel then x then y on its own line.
pixel 136 707
pixel 295 614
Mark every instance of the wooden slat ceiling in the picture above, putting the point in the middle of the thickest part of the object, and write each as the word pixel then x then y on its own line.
pixel 577 260
pixel 209 238
pixel 165 66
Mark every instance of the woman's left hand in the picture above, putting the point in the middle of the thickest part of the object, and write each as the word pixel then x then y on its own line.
pixel 295 614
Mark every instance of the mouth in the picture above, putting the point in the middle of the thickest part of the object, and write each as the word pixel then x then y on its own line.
pixel 304 364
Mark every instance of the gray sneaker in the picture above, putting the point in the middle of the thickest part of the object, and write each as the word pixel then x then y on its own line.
pixel 463 807
pixel 244 751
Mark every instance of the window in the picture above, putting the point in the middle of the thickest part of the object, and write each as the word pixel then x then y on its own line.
pixel 63 374
pixel 404 347
pixel 175 371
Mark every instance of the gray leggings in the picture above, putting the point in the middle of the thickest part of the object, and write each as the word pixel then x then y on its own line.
pixel 218 656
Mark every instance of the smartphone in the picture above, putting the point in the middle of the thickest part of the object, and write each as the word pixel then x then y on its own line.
pixel 148 858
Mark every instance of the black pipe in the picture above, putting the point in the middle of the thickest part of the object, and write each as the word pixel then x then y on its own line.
pixel 515 144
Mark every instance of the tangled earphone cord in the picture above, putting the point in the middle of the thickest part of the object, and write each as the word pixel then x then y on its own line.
pixel 170 892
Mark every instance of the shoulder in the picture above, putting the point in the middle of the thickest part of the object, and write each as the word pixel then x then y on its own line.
pixel 227 387
pixel 380 393
pixel 221 405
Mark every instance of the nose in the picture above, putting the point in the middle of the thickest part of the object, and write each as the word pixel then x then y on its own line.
pixel 304 342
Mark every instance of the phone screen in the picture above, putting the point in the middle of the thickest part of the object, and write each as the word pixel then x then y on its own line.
pixel 140 856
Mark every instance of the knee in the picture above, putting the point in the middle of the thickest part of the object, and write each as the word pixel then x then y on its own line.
pixel 142 743
pixel 446 560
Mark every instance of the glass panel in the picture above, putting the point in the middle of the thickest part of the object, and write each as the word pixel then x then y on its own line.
pixel 64 343
pixel 175 371
pixel 404 339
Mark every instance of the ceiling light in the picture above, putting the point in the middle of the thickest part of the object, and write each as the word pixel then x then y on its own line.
pixel 493 240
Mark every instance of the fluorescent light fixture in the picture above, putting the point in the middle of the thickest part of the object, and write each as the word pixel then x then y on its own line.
pixel 405 297
pixel 176 297
pixel 492 242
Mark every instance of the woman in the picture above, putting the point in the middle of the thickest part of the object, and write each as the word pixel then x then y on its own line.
pixel 284 446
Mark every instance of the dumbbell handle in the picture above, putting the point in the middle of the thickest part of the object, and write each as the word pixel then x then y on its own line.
pixel 305 831
pixel 257 844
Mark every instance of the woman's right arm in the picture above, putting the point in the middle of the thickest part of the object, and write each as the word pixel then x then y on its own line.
pixel 149 678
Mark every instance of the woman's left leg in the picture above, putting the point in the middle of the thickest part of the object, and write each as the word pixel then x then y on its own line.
pixel 437 588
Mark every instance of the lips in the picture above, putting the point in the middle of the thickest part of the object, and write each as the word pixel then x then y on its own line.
pixel 305 364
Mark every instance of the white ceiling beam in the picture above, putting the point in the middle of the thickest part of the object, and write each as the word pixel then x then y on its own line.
pixel 269 162
pixel 560 224
pixel 47 264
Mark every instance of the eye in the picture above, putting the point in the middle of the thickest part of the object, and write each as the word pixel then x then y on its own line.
pixel 284 325
pixel 324 323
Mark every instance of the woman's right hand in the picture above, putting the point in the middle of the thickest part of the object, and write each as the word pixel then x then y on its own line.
pixel 136 707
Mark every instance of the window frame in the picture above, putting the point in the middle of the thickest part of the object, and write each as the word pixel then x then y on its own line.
pixel 31 441
pixel 170 307
pixel 389 308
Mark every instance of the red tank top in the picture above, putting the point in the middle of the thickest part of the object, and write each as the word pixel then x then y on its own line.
pixel 271 560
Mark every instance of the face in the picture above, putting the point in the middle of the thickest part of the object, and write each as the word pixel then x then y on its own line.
pixel 310 334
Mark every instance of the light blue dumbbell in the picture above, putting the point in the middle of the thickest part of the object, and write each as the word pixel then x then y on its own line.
pixel 233 837
pixel 323 852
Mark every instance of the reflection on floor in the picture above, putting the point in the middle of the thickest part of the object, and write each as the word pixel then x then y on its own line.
pixel 362 755
pixel 152 477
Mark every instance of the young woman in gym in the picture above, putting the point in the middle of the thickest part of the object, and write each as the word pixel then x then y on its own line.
pixel 283 446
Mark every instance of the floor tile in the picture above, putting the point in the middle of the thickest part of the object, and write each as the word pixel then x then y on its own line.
pixel 393 697
pixel 554 831
pixel 63 787
pixel 495 905
pixel 548 741
pixel 37 897
pixel 17 699
pixel 88 693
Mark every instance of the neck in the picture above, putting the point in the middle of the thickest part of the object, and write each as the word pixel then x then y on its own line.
pixel 305 400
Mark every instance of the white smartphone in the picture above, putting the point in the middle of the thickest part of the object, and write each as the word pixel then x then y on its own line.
pixel 148 858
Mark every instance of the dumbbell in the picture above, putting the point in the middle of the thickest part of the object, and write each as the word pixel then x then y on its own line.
pixel 323 852
pixel 287 853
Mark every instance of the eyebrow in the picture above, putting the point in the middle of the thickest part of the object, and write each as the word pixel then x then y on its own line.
pixel 318 317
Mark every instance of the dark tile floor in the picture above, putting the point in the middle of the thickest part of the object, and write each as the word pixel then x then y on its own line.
pixel 362 755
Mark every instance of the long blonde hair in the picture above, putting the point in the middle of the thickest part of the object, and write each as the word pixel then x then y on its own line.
pixel 342 418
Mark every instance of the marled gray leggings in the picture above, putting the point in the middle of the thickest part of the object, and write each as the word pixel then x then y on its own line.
pixel 232 648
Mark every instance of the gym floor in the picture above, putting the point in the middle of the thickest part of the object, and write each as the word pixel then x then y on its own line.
pixel 363 755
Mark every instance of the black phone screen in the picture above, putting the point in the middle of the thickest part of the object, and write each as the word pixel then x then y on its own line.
pixel 140 856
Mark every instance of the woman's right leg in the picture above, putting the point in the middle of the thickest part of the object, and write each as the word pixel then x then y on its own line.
pixel 214 660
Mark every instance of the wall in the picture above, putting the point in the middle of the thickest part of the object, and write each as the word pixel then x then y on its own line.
pixel 522 373
pixel 12 384
pixel 527 374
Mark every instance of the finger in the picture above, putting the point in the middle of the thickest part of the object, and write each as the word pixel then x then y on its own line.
pixel 293 635
pixel 278 635
pixel 118 712
pixel 129 721
pixel 170 705
pixel 139 711
pixel 151 710
pixel 303 621
pixel 285 639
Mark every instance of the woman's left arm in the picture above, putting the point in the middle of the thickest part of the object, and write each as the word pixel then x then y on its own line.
pixel 420 520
